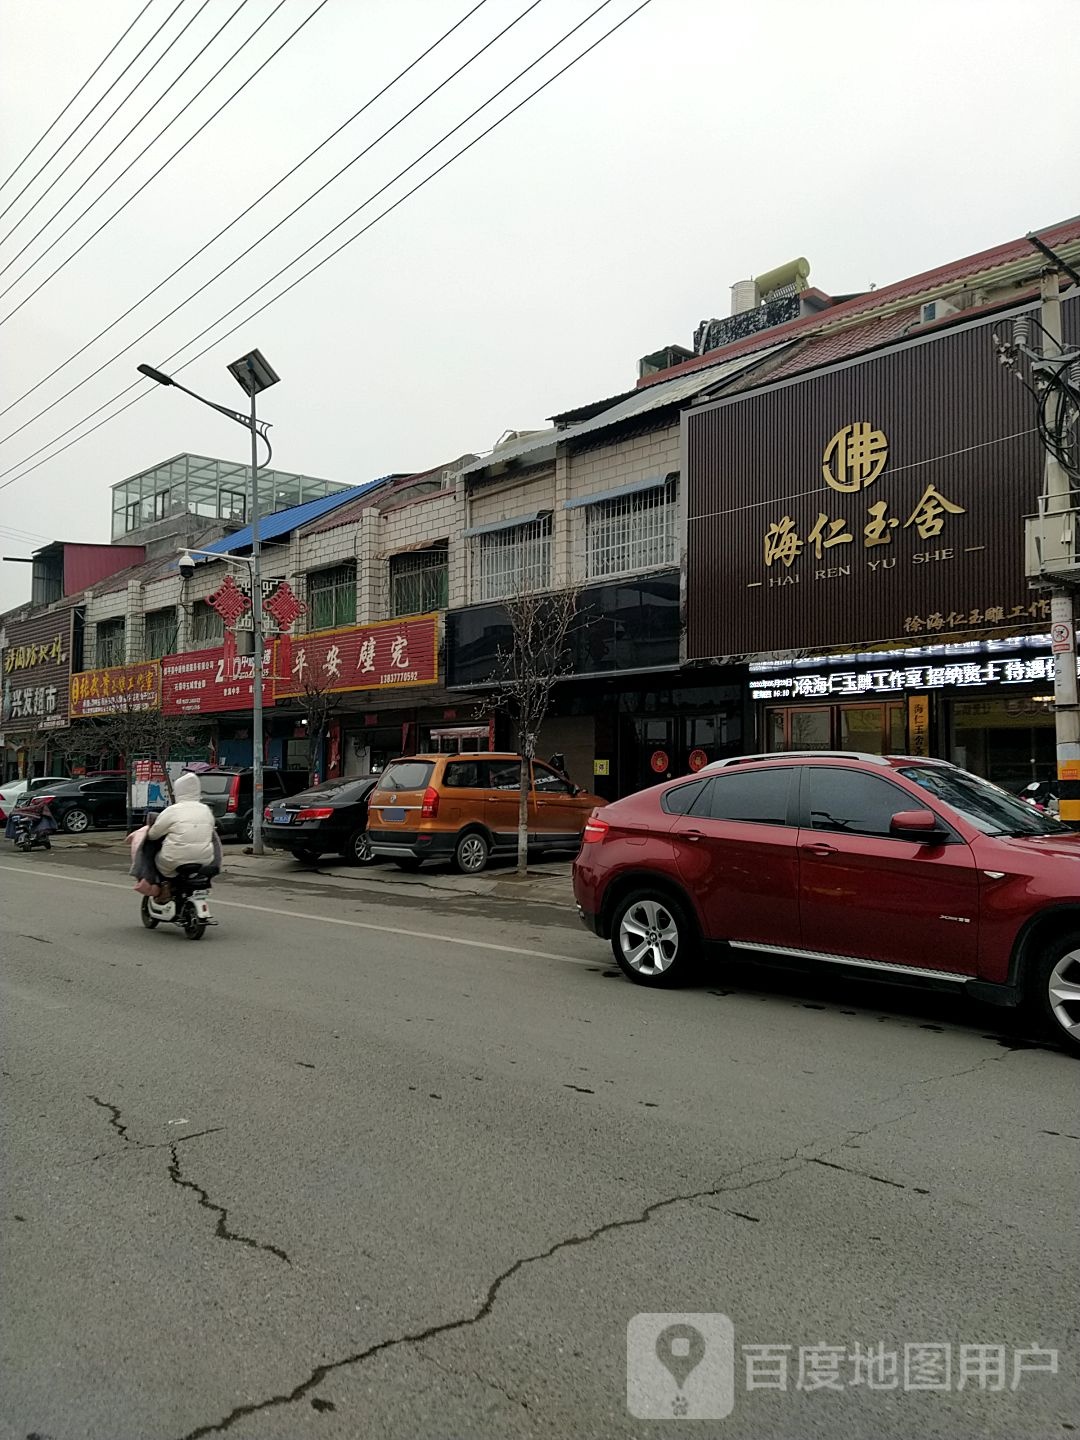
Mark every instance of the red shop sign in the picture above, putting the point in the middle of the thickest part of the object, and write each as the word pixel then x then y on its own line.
pixel 390 654
pixel 201 683
pixel 698 759
pixel 659 761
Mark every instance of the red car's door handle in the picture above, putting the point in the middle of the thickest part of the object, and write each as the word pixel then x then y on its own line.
pixel 691 834
pixel 819 848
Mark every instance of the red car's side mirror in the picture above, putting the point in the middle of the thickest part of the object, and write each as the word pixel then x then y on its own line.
pixel 916 825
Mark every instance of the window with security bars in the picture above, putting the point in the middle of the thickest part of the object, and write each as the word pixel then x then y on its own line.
pixel 109 643
pixel 631 533
pixel 331 596
pixel 159 634
pixel 511 561
pixel 207 626
pixel 419 580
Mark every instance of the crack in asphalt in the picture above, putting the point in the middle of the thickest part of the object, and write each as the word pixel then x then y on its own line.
pixel 117 1124
pixel 865 1174
pixel 467 1374
pixel 316 1377
pixel 222 1231
pixel 122 1130
pixel 158 1145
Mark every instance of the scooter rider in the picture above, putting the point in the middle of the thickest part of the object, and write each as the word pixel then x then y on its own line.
pixel 185 828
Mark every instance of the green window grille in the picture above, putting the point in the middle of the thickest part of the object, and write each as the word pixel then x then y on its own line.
pixel 419 581
pixel 331 596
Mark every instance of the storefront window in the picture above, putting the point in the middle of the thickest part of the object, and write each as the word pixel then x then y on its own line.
pixel 809 730
pixel 1009 739
pixel 872 729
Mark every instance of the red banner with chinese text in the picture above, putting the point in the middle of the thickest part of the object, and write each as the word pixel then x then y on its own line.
pixel 114 691
pixel 203 683
pixel 389 654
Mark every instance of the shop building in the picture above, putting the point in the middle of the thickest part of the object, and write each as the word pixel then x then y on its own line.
pixel 359 676
pixel 594 503
pixel 855 529
pixel 379 575
pixel 41 643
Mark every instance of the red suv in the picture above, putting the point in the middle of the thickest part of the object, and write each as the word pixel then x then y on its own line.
pixel 903 867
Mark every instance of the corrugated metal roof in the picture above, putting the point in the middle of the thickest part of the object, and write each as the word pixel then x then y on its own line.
pixel 671 392
pixel 283 522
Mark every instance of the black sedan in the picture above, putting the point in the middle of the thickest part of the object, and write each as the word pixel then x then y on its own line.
pixel 81 805
pixel 330 818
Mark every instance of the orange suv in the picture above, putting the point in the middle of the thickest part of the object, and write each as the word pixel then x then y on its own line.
pixel 465 808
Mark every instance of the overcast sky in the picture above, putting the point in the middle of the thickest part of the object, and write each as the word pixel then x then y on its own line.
pixel 703 142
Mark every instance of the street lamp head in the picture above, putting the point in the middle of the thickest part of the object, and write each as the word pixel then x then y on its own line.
pixel 253 373
pixel 157 375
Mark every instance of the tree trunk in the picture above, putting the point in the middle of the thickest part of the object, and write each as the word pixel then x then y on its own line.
pixel 523 815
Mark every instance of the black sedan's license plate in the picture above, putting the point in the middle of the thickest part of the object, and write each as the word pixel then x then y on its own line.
pixel 283 819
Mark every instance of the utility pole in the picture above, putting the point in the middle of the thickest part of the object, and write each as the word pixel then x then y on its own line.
pixel 1052 538
pixel 1058 511
pixel 252 373
pixel 257 627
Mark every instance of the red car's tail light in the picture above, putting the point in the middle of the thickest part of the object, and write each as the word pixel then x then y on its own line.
pixel 320 814
pixel 234 797
pixel 595 830
pixel 429 807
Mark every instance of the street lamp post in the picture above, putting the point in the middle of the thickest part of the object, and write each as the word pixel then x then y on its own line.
pixel 253 374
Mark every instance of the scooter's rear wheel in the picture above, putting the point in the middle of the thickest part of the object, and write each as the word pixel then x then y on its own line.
pixel 194 926
pixel 148 919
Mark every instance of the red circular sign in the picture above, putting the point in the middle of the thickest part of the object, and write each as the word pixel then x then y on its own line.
pixel 698 758
pixel 659 761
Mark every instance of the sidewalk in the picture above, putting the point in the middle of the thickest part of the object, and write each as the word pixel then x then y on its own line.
pixel 547 883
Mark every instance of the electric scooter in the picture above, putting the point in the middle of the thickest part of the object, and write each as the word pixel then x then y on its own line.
pixel 188 904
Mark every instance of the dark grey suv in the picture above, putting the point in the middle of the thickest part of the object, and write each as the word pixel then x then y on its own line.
pixel 230 795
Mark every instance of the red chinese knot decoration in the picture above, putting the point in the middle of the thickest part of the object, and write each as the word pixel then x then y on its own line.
pixel 284 609
pixel 231 604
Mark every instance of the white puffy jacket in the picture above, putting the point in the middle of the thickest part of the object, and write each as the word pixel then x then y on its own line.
pixel 186 828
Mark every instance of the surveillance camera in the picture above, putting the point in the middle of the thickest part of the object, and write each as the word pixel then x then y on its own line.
pixel 186 566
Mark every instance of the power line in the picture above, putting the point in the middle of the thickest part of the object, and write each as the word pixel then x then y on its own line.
pixel 101 164
pixel 149 181
pixel 401 119
pixel 105 122
pixel 277 226
pixel 213 239
pixel 135 384
pixel 389 209
pixel 75 97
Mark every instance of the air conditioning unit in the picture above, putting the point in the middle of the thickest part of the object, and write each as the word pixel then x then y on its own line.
pixel 937 310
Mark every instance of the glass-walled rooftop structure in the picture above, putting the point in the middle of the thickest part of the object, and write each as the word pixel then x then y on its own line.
pixel 215 489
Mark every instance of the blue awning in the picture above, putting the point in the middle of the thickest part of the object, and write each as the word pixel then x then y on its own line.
pixel 635 487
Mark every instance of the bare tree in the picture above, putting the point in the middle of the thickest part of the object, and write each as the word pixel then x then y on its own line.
pixel 130 731
pixel 542 623
pixel 316 700
pixel 35 736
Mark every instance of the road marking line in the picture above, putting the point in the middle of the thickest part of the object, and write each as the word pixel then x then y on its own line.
pixel 324 919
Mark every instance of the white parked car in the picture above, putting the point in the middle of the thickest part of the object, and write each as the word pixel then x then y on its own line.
pixel 14 790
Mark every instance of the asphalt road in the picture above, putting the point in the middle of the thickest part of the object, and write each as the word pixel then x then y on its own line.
pixel 407 1165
